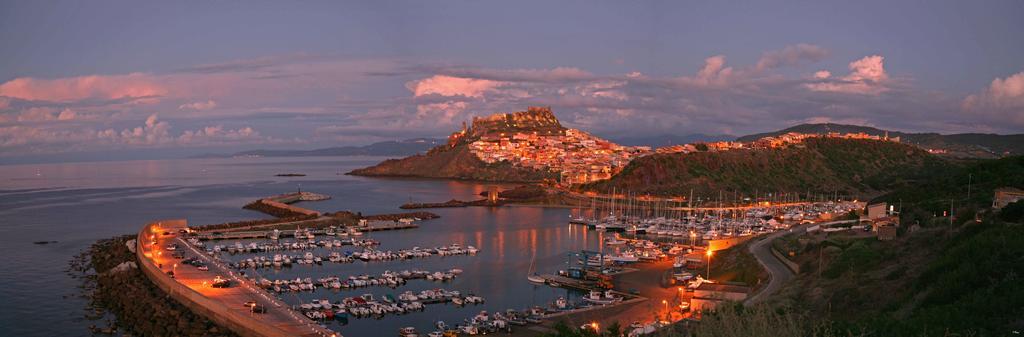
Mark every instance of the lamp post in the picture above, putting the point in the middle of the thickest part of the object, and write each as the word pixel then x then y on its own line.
pixel 693 236
pixel 709 263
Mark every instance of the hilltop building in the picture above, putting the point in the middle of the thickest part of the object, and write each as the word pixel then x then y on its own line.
pixel 1005 196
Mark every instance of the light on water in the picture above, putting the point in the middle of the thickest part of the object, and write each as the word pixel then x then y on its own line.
pixel 66 203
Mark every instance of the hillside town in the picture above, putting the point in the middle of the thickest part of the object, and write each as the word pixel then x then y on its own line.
pixel 535 139
pixel 579 156
pixel 771 142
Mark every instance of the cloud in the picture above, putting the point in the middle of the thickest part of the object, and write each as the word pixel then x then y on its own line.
pixel 67 114
pixel 452 86
pixel 1002 101
pixel 334 101
pixel 867 76
pixel 791 56
pixel 209 104
pixel 152 133
pixel 109 87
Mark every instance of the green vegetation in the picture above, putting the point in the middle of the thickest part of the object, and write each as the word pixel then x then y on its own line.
pixel 453 162
pixel 932 196
pixel 858 258
pixel 1013 212
pixel 737 264
pixel 966 145
pixel 849 166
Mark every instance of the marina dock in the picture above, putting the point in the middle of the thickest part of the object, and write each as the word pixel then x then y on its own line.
pixel 373 227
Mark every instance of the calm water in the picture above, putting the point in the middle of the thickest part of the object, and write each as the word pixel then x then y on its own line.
pixel 77 204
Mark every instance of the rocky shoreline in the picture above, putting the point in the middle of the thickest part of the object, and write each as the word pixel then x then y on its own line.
pixel 123 301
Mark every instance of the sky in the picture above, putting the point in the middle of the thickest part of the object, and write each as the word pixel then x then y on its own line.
pixel 113 79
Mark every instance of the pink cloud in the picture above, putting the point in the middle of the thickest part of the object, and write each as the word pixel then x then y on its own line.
pixel 452 86
pixel 1003 100
pixel 134 85
pixel 209 104
pixel 867 76
pixel 67 114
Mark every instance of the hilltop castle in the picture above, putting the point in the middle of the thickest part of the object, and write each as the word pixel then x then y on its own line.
pixel 535 120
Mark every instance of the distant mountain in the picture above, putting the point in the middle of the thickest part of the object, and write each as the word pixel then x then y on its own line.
pixel 389 148
pixel 851 166
pixel 970 145
pixel 670 139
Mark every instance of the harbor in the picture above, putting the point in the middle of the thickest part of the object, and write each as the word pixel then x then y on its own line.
pixel 621 258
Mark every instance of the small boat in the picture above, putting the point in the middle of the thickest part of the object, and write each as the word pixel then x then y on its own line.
pixel 535 278
pixel 604 298
pixel 407 332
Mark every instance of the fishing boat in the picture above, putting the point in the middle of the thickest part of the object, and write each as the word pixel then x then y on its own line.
pixel 614 241
pixel 625 258
pixel 604 298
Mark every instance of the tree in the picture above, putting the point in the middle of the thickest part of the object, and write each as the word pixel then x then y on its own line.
pixel 1014 212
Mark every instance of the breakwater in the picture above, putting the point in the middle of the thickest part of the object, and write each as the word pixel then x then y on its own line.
pixel 191 288
pixel 281 205
pixel 451 203
pixel 114 283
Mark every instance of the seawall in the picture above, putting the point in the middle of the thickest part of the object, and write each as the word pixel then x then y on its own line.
pixel 243 325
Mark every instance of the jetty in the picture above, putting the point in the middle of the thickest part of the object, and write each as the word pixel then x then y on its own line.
pixel 194 288
pixel 383 225
pixel 281 205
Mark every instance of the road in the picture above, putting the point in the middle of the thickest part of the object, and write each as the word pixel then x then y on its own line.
pixel 780 274
pixel 278 314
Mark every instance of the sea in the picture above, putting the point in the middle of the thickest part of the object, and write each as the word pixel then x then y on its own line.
pixel 76 204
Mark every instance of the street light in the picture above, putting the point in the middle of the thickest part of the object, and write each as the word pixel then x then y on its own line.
pixel 709 263
pixel 693 236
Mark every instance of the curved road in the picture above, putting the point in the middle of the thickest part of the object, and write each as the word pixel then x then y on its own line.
pixel 780 274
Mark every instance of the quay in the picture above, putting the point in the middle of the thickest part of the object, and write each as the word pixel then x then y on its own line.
pixel 386 226
pixel 240 235
pixel 562 281
pixel 193 288
pixel 214 235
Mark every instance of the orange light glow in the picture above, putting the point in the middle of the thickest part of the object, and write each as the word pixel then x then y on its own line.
pixel 709 253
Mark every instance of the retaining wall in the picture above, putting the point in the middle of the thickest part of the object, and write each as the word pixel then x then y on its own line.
pixel 795 268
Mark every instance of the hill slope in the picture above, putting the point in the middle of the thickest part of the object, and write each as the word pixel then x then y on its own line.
pixel 822 164
pixel 456 162
pixel 972 145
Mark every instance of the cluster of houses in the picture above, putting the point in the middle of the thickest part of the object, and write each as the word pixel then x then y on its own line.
pixel 579 156
pixel 771 142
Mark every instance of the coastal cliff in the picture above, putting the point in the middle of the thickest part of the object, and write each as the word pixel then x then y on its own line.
pixel 455 160
pixel 454 163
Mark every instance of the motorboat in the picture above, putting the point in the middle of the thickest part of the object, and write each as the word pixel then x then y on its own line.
pixel 602 298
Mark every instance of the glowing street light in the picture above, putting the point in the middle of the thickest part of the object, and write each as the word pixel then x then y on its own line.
pixel 709 263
